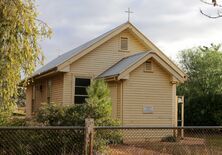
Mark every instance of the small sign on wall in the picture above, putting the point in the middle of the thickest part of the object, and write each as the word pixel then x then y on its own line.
pixel 147 109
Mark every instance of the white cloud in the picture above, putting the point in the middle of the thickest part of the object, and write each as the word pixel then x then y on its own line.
pixel 172 25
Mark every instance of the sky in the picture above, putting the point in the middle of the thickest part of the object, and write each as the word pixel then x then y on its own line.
pixel 170 25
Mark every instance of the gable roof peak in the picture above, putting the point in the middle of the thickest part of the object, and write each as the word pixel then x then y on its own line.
pixel 71 56
pixel 66 56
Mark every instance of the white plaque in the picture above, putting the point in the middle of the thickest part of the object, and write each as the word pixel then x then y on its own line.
pixel 148 109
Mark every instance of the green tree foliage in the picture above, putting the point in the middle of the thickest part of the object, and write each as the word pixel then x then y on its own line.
pixel 20 98
pixel 98 106
pixel 203 110
pixel 203 90
pixel 20 31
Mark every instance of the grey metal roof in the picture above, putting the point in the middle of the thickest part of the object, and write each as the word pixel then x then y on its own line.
pixel 123 64
pixel 62 58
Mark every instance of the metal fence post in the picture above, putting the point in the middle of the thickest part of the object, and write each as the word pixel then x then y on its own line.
pixel 89 132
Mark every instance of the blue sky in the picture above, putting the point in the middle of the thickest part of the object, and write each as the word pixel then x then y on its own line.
pixel 171 25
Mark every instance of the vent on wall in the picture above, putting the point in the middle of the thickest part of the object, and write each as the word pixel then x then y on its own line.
pixel 124 43
pixel 148 66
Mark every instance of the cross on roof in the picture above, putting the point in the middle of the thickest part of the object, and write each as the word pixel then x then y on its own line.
pixel 129 12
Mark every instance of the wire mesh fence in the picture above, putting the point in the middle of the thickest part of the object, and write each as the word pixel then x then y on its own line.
pixel 111 140
pixel 41 140
pixel 165 140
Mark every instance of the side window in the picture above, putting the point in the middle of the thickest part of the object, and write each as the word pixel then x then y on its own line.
pixel 124 43
pixel 81 85
pixel 49 91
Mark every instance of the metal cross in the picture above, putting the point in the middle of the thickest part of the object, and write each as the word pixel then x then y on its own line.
pixel 129 12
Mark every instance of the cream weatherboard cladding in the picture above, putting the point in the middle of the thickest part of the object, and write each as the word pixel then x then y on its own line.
pixel 152 89
pixel 68 89
pixel 28 101
pixel 106 55
pixel 131 90
pixel 41 92
pixel 113 94
pixel 98 60
pixel 119 100
pixel 57 88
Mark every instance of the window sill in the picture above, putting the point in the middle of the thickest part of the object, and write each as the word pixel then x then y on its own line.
pixel 127 51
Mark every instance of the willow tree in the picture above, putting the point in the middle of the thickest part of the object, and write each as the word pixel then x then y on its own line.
pixel 20 31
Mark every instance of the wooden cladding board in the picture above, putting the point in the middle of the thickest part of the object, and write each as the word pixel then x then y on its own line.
pixel 113 94
pixel 119 100
pixel 68 87
pixel 28 101
pixel 98 60
pixel 106 55
pixel 41 92
pixel 57 88
pixel 148 89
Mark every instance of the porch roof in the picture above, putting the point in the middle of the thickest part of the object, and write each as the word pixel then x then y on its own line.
pixel 122 65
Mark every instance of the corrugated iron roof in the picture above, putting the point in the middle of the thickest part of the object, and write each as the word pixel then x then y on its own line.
pixel 122 65
pixel 62 58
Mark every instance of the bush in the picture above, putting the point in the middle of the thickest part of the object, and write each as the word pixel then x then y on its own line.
pixel 51 114
pixel 40 142
pixel 205 109
pixel 17 121
pixel 98 106
pixel 4 117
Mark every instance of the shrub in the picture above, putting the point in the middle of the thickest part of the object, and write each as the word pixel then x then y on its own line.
pixel 51 114
pixel 17 121
pixel 38 142
pixel 98 106
pixel 4 117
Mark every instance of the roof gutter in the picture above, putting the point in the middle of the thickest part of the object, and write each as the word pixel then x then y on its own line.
pixel 45 73
pixel 109 78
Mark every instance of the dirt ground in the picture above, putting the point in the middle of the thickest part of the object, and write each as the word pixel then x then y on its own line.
pixel 186 146
pixel 129 150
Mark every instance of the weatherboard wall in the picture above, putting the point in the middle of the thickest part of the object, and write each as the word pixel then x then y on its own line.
pixel 28 100
pixel 113 93
pixel 57 88
pixel 68 89
pixel 41 93
pixel 103 57
pixel 152 89
pixel 98 60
